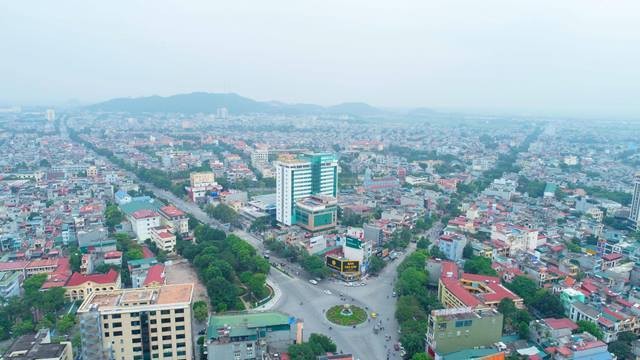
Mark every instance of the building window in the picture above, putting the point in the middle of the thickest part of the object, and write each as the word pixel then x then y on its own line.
pixel 180 327
pixel 117 333
pixel 116 316
pixel 135 323
pixel 179 319
pixel 165 312
pixel 166 329
pixel 166 337
pixel 180 336
pixel 117 325
pixel 179 311
pixel 136 340
pixel 164 321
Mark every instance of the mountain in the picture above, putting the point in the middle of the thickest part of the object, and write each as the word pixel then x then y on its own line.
pixel 202 102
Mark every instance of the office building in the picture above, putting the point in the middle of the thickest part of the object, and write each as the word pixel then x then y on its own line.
pixel 142 221
pixel 79 286
pixel 452 245
pixel 136 324
pixel 38 346
pixel 472 290
pixel 306 175
pixel 248 336
pixel 456 329
pixel 317 213
pixel 634 212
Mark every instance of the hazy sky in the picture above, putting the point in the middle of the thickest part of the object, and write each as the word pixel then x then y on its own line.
pixel 565 56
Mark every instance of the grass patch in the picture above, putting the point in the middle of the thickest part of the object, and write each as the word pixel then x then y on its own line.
pixel 358 317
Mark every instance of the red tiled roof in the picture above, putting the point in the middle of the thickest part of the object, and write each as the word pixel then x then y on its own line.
pixel 172 211
pixel 563 323
pixel 147 253
pixel 13 265
pixel 78 279
pixel 143 214
pixel 155 275
pixel 460 292
pixel 611 257
pixel 449 269
pixel 113 255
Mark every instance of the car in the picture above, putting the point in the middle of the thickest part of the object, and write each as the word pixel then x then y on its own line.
pixel 201 332
pixel 266 256
pixel 374 315
pixel 396 346
pixel 394 294
pixel 313 281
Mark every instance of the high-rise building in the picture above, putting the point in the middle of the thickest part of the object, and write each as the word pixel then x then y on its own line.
pixel 301 177
pixel 50 114
pixel 144 323
pixel 634 213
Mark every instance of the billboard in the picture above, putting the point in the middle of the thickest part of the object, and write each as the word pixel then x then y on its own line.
pixel 353 243
pixel 348 266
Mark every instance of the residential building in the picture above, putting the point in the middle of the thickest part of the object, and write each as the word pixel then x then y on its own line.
pixel 248 336
pixel 452 245
pixel 579 346
pixel 164 239
pixel 144 323
pixel 456 329
pixel 312 174
pixel 545 332
pixel 200 184
pixel 142 221
pixel 38 346
pixel 175 218
pixel 79 286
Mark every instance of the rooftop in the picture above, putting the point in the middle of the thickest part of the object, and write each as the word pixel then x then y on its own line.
pixel 163 295
pixel 77 279
pixel 242 324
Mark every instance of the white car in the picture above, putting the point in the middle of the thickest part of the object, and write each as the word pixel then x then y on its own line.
pixel 313 282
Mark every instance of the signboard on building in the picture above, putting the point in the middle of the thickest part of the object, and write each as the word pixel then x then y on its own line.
pixel 333 263
pixel 353 243
pixel 350 266
pixel 347 266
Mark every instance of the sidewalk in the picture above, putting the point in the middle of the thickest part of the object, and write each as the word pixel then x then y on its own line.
pixel 277 293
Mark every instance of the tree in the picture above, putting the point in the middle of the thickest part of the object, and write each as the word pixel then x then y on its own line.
pixel 523 287
pixel 224 213
pixel 620 348
pixel 423 243
pixel 421 356
pixel 523 330
pixel 323 342
pixel 507 308
pixel 256 285
pixel 314 265
pixel 411 282
pixel 75 259
pixel 548 304
pixel 376 265
pixel 113 216
pixel 65 323
pixel 200 310
pixel 467 252
pixel 591 328
pixel 479 265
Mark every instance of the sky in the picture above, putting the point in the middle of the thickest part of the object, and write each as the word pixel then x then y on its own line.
pixel 578 57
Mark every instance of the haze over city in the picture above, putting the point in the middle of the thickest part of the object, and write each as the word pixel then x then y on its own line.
pixel 320 180
pixel 545 57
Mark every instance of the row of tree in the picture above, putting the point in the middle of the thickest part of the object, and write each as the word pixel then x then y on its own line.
pixel 414 302
pixel 312 264
pixel 34 310
pixel 227 265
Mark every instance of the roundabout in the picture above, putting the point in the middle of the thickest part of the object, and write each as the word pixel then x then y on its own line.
pixel 346 315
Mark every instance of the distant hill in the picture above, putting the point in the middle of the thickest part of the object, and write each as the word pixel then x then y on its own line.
pixel 201 102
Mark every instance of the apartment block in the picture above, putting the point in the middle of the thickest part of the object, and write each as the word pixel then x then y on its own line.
pixel 132 324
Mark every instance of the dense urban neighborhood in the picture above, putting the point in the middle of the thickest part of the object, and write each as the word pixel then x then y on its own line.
pixel 134 234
